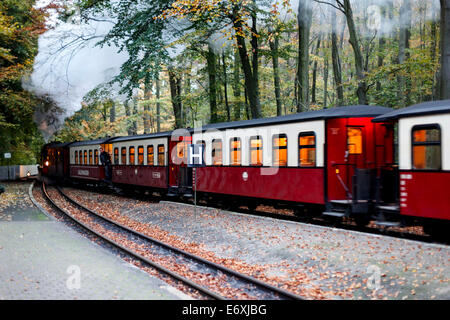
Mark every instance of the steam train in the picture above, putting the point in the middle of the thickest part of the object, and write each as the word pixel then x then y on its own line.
pixel 369 163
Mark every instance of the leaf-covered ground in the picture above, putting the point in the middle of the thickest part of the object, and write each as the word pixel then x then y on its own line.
pixel 315 262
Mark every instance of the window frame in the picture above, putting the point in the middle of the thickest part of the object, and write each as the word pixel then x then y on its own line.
pixel 314 146
pixel 132 154
pixel 163 153
pixel 85 154
pixel 123 155
pixel 426 143
pixel 116 155
pixel 214 150
pixel 96 157
pixel 280 135
pixel 90 157
pixel 360 128
pixel 153 155
pixel 237 149
pixel 257 137
pixel 76 156
pixel 140 154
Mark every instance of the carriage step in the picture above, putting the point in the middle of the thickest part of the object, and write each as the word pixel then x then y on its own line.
pixel 388 223
pixel 341 202
pixel 393 209
pixel 334 214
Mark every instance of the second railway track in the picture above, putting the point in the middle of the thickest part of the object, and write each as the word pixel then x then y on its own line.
pixel 210 279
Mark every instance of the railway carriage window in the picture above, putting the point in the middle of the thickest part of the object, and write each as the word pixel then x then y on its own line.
pixel 85 157
pixel 426 147
pixel 354 140
pixel 203 143
pixel 150 156
pixel 131 155
pixel 80 154
pixel 76 157
pixel 95 156
pixel 123 155
pixel 307 149
pixel 116 155
pixel 216 152
pixel 161 160
pixel 90 156
pixel 279 144
pixel 140 155
pixel 256 151
pixel 235 152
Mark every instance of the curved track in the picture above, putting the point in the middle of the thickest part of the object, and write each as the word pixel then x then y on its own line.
pixel 233 279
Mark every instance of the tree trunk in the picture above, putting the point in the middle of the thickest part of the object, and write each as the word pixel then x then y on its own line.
pixel 445 50
pixel 325 77
pixel 237 88
pixel 134 126
pixel 112 112
pixel 250 85
pixel 276 71
pixel 158 104
pixel 148 96
pixel 403 45
pixel 337 74
pixel 211 66
pixel 359 63
pixel 304 27
pixel 175 90
pixel 225 80
pixel 314 75
pixel 128 114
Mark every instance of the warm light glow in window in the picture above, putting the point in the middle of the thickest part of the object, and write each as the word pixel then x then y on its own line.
pixel 426 148
pixel 307 150
pixel 256 151
pixel 161 160
pixel 116 155
pixel 90 156
pixel 217 152
pixel 235 152
pixel 131 155
pixel 150 157
pixel 123 152
pixel 95 156
pixel 280 150
pixel 140 155
pixel 354 140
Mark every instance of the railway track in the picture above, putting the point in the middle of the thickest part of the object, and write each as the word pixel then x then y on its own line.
pixel 316 220
pixel 226 283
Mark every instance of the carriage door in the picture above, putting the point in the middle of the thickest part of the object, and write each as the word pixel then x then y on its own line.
pixel 178 170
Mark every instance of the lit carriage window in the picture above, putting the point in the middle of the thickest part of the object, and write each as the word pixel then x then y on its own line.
pixel 256 151
pixel 95 156
pixel 76 157
pixel 354 140
pixel 80 154
pixel 217 152
pixel 181 152
pixel 116 155
pixel 90 156
pixel 131 155
pixel 140 155
pixel 85 157
pixel 161 160
pixel 123 155
pixel 279 150
pixel 426 147
pixel 150 157
pixel 307 149
pixel 235 152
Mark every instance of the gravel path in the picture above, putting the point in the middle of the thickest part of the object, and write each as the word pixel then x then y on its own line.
pixel 319 262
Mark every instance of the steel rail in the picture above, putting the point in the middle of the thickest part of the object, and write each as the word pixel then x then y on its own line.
pixel 186 281
pixel 267 287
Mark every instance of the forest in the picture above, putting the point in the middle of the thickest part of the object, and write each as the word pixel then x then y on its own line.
pixel 195 62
